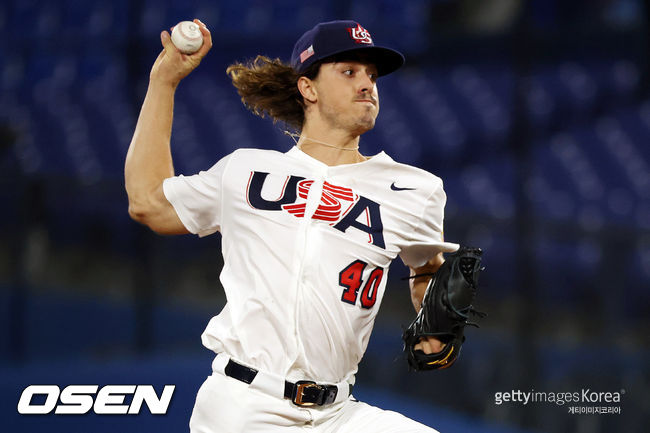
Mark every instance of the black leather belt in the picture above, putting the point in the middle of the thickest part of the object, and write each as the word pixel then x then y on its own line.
pixel 301 393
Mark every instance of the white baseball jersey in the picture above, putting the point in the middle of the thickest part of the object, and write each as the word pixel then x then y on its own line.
pixel 306 252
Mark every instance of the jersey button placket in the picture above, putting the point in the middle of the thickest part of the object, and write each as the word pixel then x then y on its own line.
pixel 307 253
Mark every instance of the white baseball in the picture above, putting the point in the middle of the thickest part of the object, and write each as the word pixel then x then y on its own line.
pixel 187 37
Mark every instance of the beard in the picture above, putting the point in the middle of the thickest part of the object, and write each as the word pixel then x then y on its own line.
pixel 365 124
pixel 356 123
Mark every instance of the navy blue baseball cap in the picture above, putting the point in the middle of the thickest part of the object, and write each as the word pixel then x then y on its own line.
pixel 337 37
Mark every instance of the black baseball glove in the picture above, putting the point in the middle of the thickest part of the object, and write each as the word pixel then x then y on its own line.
pixel 445 311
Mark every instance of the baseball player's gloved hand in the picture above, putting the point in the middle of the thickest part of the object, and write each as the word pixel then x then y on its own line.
pixel 445 310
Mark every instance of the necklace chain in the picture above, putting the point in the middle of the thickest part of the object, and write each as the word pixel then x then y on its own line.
pixel 294 135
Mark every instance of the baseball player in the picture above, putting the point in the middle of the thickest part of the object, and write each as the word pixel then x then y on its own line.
pixel 307 234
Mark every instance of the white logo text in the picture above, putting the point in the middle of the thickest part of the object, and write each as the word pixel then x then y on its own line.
pixel 80 399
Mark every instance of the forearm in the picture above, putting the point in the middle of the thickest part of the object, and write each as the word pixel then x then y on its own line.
pixel 418 285
pixel 149 160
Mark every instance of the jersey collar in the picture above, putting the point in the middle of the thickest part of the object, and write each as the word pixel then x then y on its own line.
pixel 295 152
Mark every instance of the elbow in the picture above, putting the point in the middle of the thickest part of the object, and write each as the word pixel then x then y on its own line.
pixel 141 206
pixel 152 218
pixel 138 213
pixel 154 211
pixel 145 217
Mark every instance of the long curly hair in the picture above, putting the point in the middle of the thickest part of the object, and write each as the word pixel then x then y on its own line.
pixel 268 87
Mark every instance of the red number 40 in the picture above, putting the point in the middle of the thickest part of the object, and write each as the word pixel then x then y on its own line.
pixel 352 277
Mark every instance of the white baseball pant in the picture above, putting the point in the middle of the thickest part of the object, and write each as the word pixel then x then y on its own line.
pixel 227 405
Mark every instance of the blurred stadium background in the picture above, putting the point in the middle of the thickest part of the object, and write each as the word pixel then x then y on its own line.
pixel 535 113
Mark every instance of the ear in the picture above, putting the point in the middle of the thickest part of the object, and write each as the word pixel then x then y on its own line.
pixel 307 89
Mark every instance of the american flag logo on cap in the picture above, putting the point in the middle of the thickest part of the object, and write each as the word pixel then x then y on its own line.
pixel 360 35
pixel 306 54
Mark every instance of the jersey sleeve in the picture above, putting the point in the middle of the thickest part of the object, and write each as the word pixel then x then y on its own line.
pixel 427 239
pixel 197 199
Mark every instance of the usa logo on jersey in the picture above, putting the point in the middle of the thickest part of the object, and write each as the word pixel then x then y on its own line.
pixel 339 206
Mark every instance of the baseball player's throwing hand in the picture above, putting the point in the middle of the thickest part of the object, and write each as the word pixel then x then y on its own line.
pixel 172 66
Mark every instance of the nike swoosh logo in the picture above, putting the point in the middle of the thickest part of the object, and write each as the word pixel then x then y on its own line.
pixel 397 188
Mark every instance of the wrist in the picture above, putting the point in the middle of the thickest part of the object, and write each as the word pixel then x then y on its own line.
pixel 159 83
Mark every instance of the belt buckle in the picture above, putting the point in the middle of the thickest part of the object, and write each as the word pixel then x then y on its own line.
pixel 299 393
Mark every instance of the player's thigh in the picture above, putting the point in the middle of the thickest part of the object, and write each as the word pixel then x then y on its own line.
pixel 358 417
